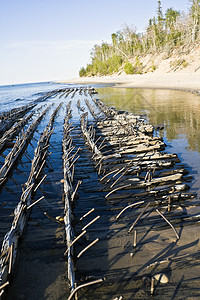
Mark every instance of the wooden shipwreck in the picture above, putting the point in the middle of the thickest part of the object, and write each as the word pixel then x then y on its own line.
pixel 131 185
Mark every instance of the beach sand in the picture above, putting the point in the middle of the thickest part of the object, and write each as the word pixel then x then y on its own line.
pixel 180 81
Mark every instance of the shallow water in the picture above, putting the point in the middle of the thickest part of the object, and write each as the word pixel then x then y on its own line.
pixel 178 111
pixel 12 96
pixel 42 270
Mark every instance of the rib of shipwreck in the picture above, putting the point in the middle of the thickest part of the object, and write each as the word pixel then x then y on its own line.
pixel 19 147
pixel 68 190
pixel 7 119
pixel 10 243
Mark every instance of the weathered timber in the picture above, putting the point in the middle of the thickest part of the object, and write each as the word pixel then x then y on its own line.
pixel 22 210
pixel 7 119
pixel 68 190
pixel 13 131
pixel 19 146
pixel 87 136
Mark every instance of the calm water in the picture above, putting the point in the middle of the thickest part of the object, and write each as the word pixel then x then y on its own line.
pixel 42 269
pixel 179 113
pixel 21 94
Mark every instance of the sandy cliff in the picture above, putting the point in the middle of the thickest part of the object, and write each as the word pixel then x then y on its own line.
pixel 180 70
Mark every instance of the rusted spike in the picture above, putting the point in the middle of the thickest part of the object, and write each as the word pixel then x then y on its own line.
pixel 109 173
pixel 40 183
pixel 73 162
pixel 11 258
pixel 169 204
pixel 4 285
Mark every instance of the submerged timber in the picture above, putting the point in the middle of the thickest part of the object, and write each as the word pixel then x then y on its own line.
pixel 127 214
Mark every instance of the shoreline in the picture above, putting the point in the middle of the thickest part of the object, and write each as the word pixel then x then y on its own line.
pixel 189 82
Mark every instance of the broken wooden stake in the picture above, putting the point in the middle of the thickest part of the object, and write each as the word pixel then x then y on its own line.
pixel 168 223
pixel 86 248
pixel 142 212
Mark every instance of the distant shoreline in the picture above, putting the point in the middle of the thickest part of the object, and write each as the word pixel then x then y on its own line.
pixel 177 81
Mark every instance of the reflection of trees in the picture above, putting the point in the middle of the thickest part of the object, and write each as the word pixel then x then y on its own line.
pixel 178 111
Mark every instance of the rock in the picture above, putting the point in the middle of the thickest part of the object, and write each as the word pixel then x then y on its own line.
pixel 60 218
pixel 162 278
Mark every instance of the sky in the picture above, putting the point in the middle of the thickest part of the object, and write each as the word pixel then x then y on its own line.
pixel 47 40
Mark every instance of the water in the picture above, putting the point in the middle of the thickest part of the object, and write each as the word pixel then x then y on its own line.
pixel 22 94
pixel 178 111
pixel 44 240
pixel 42 270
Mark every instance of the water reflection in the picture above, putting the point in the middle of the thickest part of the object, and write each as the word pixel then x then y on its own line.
pixel 178 111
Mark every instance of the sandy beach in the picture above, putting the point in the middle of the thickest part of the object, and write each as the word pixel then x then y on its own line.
pixel 181 81
pixel 167 75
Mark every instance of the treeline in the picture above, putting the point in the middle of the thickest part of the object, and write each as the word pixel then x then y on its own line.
pixel 164 33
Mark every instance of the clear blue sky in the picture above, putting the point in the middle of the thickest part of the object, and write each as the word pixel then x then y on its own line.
pixel 43 40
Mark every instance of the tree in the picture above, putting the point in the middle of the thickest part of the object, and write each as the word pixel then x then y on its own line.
pixel 128 68
pixel 82 72
pixel 163 33
pixel 173 34
pixel 171 17
pixel 159 26
pixel 195 14
pixel 159 12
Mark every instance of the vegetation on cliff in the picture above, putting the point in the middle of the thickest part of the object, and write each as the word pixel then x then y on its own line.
pixel 164 33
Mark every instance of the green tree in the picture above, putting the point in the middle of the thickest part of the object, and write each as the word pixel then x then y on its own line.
pixel 160 35
pixel 173 34
pixel 128 68
pixel 159 12
pixel 171 17
pixel 163 33
pixel 82 72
